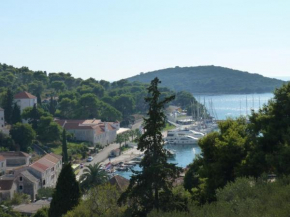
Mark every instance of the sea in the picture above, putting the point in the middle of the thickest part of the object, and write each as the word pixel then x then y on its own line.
pixel 223 106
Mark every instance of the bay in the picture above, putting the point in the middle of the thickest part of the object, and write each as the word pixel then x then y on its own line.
pixel 233 105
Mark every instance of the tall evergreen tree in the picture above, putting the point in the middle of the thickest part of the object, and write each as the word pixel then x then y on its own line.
pixel 52 106
pixel 64 147
pixel 152 186
pixel 34 117
pixel 67 193
pixel 7 105
pixel 38 99
pixel 16 114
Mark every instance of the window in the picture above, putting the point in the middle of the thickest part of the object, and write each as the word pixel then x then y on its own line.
pixel 43 182
pixel 20 187
pixel 20 178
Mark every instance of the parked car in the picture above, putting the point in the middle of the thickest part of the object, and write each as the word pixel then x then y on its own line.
pixel 90 158
pixel 82 165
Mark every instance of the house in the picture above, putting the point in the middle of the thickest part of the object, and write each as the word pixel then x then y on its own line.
pixel 7 189
pixel 15 158
pixel 47 169
pixel 2 120
pixel 24 100
pixel 31 208
pixel 27 183
pixel 94 131
pixel 120 182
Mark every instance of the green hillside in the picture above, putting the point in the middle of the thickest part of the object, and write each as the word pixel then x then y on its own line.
pixel 210 80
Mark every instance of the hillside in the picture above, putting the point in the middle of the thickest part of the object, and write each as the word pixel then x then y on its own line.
pixel 210 80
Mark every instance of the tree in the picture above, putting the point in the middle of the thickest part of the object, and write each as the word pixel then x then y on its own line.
pixel 64 147
pixel 154 183
pixel 48 130
pixel 16 114
pixel 58 86
pixel 100 201
pixel 52 104
pixel 38 99
pixel 93 175
pixel 43 212
pixel 23 135
pixel 120 139
pixel 7 104
pixel 67 193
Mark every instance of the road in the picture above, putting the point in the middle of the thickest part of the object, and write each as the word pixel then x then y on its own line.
pixel 101 156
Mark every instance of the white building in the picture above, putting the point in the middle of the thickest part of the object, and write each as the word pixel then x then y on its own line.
pixel 2 120
pixel 47 169
pixel 94 131
pixel 24 100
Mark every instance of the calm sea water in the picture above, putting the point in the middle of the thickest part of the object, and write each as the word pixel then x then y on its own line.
pixel 185 155
pixel 224 106
pixel 233 105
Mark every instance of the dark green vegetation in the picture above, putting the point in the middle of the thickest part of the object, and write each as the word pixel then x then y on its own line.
pixel 243 198
pixel 67 193
pixel 210 80
pixel 152 187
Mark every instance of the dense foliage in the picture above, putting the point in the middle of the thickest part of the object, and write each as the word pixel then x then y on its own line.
pixel 67 97
pixel 210 80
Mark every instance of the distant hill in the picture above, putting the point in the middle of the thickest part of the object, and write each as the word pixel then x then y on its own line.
pixel 210 80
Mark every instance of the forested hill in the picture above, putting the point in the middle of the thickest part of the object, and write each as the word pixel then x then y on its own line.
pixel 210 80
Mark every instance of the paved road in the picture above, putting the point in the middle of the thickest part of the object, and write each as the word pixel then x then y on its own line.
pixel 101 156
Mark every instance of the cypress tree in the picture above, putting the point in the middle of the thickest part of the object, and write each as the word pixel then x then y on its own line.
pixel 67 193
pixel 35 116
pixel 51 106
pixel 7 105
pixel 38 99
pixel 64 147
pixel 16 116
pixel 152 187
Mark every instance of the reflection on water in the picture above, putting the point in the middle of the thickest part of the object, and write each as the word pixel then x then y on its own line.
pixel 184 156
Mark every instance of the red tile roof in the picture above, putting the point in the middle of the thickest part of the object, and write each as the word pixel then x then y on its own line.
pixel 38 166
pixel 120 182
pixel 12 154
pixel 24 95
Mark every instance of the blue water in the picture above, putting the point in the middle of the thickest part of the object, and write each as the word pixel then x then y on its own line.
pixel 185 155
pixel 224 106
pixel 234 105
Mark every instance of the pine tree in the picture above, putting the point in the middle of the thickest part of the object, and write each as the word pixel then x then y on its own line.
pixel 149 187
pixel 16 116
pixel 7 105
pixel 64 147
pixel 67 193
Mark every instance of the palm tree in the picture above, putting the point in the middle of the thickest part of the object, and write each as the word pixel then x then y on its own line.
pixel 93 175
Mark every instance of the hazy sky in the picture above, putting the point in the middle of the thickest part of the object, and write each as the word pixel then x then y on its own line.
pixel 117 39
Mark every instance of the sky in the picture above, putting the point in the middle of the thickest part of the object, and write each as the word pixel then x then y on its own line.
pixel 117 39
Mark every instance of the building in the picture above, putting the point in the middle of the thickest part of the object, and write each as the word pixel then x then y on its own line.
pixel 2 120
pixel 94 131
pixel 120 182
pixel 7 189
pixel 47 169
pixel 15 158
pixel 25 100
pixel 31 208
pixel 27 183
pixel 2 165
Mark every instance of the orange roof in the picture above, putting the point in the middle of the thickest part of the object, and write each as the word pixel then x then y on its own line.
pixel 24 95
pixel 52 158
pixel 38 166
